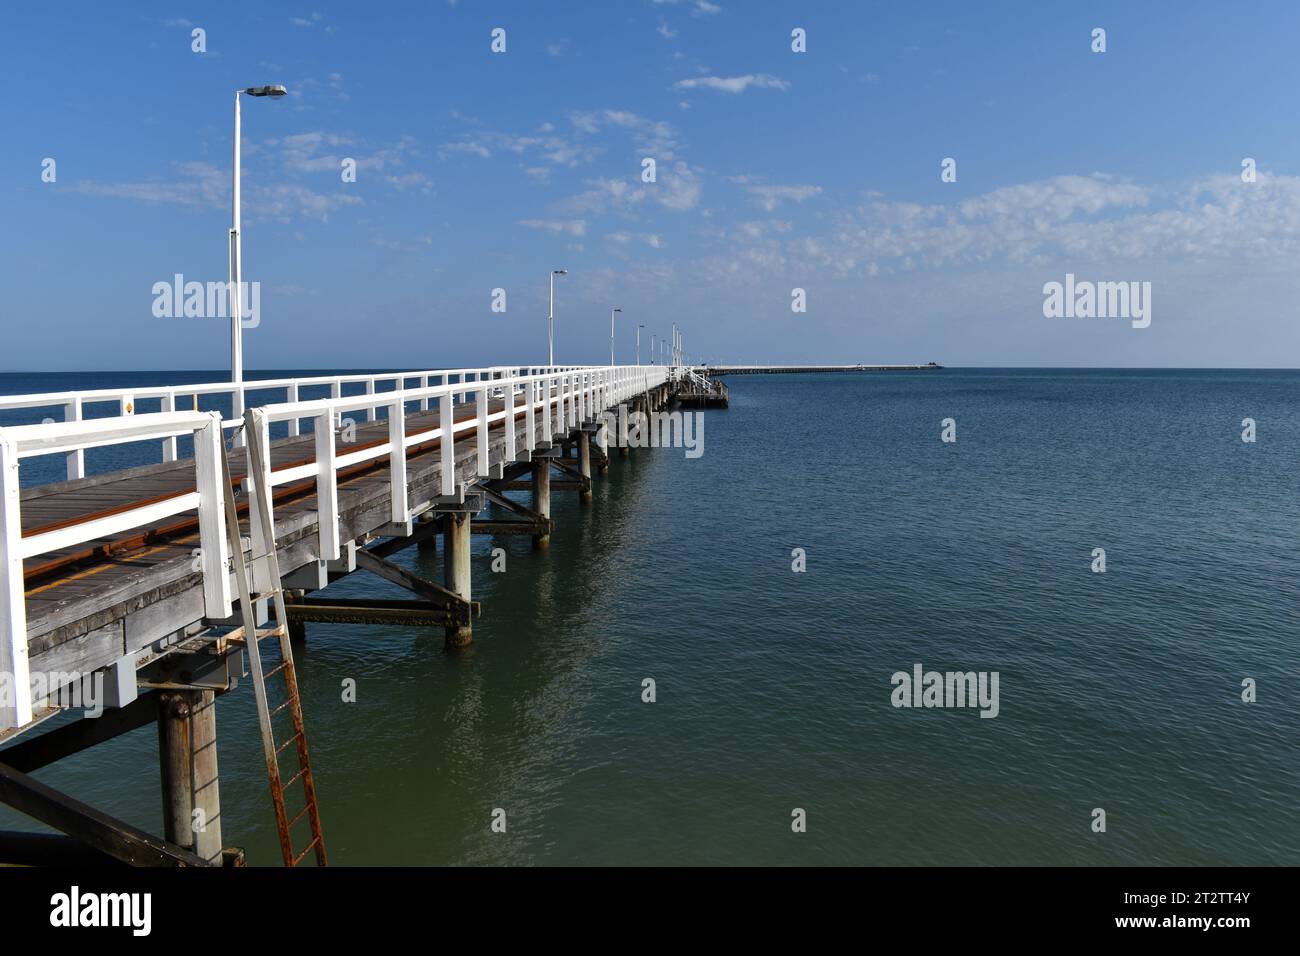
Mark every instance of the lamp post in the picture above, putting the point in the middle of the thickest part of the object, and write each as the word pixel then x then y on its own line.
pixel 550 318
pixel 611 334
pixel 235 247
pixel 652 348
pixel 638 343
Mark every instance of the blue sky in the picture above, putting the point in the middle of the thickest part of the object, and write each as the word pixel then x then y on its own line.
pixel 776 170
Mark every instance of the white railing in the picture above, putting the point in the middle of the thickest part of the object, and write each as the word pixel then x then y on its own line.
pixel 551 402
pixel 27 441
pixel 700 381
pixel 173 397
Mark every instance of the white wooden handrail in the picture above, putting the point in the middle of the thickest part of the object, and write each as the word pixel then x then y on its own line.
pixel 26 441
pixel 169 396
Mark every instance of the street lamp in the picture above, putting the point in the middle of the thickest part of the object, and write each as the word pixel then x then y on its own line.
pixel 652 348
pixel 611 334
pixel 235 247
pixel 638 343
pixel 550 318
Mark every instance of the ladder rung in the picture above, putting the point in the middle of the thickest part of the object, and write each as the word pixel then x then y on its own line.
pixel 307 849
pixel 238 635
pixel 294 779
pixel 279 710
pixel 301 813
pixel 275 670
pixel 293 739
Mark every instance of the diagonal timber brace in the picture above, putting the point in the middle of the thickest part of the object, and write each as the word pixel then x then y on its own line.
pixel 530 522
pixel 583 482
pixel 437 595
pixel 92 827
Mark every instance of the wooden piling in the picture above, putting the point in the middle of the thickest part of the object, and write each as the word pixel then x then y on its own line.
pixel 187 756
pixel 207 790
pixel 584 465
pixel 175 765
pixel 542 498
pixel 456 537
pixel 602 444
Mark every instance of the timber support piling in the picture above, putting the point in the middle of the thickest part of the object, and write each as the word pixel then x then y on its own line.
pixel 187 754
pixel 542 498
pixel 456 570
pixel 584 466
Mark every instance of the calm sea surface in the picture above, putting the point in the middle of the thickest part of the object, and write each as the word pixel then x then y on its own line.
pixel 1119 690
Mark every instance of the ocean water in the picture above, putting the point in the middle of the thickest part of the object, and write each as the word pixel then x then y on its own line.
pixel 1119 691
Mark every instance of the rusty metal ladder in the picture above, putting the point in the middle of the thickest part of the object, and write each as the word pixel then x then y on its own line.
pixel 262 525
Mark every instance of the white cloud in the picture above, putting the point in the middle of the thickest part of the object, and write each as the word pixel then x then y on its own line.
pixel 769 197
pixel 733 84
pixel 652 239
pixel 569 227
pixel 1066 221
pixel 699 8
pixel 678 188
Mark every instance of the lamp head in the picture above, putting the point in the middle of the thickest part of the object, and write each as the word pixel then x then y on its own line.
pixel 274 90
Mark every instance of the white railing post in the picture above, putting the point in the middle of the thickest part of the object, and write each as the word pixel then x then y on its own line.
pixel 77 457
pixel 424 402
pixel 561 415
pixel 291 396
pixel 371 413
pixel 16 704
pixel 257 434
pixel 327 489
pixel 483 430
pixel 237 411
pixel 508 392
pixel 169 443
pixel 530 425
pixel 397 459
pixel 214 549
pixel 548 409
pixel 447 444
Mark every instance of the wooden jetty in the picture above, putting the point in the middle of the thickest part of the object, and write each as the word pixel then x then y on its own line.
pixel 697 390
pixel 153 581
